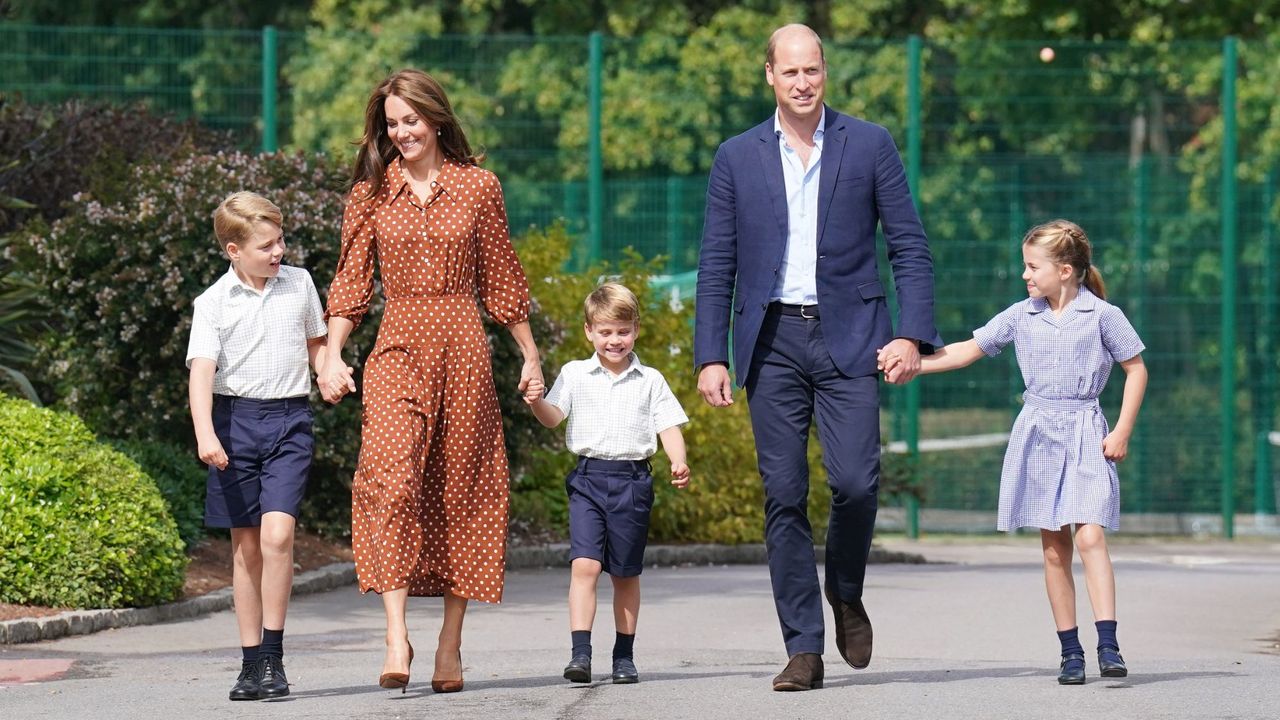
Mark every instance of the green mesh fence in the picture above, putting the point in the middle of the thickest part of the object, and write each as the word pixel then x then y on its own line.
pixel 1125 140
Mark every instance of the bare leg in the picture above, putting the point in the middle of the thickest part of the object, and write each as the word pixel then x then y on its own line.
pixel 394 603
pixel 582 593
pixel 449 648
pixel 1057 576
pixel 626 603
pixel 1099 578
pixel 246 583
pixel 277 567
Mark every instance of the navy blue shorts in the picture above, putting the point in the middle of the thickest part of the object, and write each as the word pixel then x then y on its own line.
pixel 269 446
pixel 609 505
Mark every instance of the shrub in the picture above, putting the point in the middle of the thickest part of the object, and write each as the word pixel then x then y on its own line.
pixel 179 476
pixel 80 524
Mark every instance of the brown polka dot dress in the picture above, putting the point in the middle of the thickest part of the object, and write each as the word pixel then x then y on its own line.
pixel 429 497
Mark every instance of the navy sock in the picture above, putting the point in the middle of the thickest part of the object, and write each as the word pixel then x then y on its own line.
pixel 1107 634
pixel 1070 640
pixel 581 642
pixel 250 653
pixel 623 645
pixel 273 642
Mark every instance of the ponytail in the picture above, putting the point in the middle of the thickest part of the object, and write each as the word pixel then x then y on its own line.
pixel 1093 281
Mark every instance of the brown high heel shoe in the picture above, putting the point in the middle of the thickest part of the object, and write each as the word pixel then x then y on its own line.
pixel 393 680
pixel 449 686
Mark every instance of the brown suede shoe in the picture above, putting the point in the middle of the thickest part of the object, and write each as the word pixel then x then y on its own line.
pixel 804 672
pixel 853 629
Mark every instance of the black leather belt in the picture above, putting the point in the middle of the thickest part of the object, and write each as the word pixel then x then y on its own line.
pixel 808 312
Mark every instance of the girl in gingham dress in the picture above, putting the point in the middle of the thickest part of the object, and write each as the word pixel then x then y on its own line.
pixel 1059 470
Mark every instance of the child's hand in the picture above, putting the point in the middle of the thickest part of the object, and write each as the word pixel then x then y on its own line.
pixel 211 452
pixel 886 361
pixel 679 475
pixel 335 385
pixel 533 391
pixel 1115 446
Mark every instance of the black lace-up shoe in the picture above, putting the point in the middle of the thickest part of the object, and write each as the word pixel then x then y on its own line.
pixel 579 669
pixel 249 685
pixel 624 671
pixel 274 683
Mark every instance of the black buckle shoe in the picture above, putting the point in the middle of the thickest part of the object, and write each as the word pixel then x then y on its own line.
pixel 1110 664
pixel 579 669
pixel 274 682
pixel 1072 669
pixel 249 685
pixel 624 671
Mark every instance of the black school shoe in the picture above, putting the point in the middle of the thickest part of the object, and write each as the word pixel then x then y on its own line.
pixel 274 684
pixel 1110 664
pixel 1072 669
pixel 579 669
pixel 249 685
pixel 624 671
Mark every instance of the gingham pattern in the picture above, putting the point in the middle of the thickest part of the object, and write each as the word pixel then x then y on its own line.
pixel 614 418
pixel 1054 472
pixel 258 340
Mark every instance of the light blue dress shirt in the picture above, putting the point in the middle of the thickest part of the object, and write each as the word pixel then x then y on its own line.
pixel 797 282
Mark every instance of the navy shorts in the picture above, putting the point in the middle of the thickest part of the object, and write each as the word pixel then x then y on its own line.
pixel 609 505
pixel 269 446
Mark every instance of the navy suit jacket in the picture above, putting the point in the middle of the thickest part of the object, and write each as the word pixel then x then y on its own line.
pixel 861 184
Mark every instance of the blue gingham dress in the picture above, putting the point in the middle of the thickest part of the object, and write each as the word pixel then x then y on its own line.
pixel 1054 472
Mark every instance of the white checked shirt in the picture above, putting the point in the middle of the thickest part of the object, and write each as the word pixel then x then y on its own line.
pixel 797 278
pixel 258 339
pixel 614 417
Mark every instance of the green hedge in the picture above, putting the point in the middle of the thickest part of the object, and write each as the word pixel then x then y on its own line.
pixel 80 524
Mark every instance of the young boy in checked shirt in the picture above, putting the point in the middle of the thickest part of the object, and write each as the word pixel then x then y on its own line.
pixel 617 410
pixel 252 335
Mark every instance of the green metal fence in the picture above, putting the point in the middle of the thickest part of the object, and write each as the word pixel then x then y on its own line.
pixel 1129 141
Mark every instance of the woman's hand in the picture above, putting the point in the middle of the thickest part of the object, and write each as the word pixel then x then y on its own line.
pixel 335 381
pixel 531 383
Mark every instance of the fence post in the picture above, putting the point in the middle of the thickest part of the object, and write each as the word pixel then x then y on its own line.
pixel 1141 213
pixel 1263 487
pixel 1228 210
pixel 595 150
pixel 270 71
pixel 673 222
pixel 914 51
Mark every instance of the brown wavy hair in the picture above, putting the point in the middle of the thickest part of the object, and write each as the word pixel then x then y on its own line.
pixel 1066 244
pixel 427 97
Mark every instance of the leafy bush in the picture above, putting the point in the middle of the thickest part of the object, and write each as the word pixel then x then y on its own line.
pixel 80 524
pixel 179 477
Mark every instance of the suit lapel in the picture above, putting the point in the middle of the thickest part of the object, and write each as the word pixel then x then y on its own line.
pixel 833 141
pixel 775 185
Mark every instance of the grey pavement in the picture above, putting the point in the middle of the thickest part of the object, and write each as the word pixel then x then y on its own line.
pixel 968 636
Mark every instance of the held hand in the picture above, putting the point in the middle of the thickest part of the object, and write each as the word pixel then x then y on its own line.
pixel 680 475
pixel 530 372
pixel 533 391
pixel 335 382
pixel 1115 446
pixel 714 385
pixel 901 360
pixel 211 452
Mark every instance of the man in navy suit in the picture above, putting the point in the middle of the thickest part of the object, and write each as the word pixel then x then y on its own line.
pixel 789 261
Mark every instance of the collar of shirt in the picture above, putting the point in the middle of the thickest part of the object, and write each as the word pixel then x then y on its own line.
pixel 818 132
pixel 1085 301
pixel 397 178
pixel 633 367
pixel 235 284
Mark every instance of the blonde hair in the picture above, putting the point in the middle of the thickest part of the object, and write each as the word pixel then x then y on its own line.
pixel 611 302
pixel 1066 244
pixel 427 98
pixel 233 220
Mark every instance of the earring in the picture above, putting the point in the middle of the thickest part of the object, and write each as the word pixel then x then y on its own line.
pixel 437 131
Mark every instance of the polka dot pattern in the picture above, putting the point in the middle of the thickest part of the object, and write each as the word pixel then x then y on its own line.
pixel 430 493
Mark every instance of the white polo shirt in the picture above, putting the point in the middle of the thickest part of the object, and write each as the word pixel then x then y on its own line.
pixel 258 339
pixel 614 417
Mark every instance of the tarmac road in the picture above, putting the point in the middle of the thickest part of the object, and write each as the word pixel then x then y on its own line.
pixel 968 637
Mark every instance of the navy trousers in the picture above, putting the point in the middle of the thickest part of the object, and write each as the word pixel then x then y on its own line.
pixel 792 381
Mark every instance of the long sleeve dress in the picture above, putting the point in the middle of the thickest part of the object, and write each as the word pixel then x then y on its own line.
pixel 430 492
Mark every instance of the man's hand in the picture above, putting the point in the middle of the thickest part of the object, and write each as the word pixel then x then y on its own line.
pixel 714 385
pixel 900 360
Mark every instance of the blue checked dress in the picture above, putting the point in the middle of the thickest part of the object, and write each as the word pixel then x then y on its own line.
pixel 1054 473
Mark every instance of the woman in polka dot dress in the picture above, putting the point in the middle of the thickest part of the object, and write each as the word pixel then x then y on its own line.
pixel 429 496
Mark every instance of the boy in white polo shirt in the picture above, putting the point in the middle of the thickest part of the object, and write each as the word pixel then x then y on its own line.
pixel 253 333
pixel 617 410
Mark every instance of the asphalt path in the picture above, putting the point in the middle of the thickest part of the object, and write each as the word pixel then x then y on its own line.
pixel 967 636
